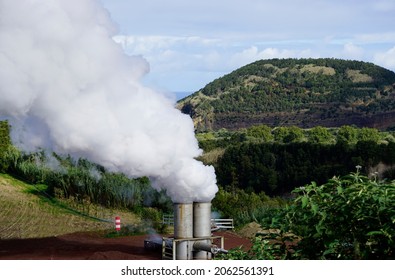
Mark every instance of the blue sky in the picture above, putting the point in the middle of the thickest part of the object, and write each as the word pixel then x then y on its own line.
pixel 190 43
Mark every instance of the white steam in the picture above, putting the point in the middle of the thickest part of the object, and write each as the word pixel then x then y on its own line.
pixel 67 86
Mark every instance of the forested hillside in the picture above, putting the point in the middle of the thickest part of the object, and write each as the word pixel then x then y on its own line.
pixel 276 161
pixel 301 92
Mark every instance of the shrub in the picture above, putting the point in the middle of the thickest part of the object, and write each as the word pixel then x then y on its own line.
pixel 274 246
pixel 245 207
pixel 352 217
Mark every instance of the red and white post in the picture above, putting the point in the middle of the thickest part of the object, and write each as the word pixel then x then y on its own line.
pixel 117 223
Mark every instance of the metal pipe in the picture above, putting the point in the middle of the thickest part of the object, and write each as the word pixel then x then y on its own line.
pixel 202 227
pixel 183 229
pixel 203 246
pixel 201 219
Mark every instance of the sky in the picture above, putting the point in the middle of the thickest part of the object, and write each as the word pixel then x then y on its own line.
pixel 190 43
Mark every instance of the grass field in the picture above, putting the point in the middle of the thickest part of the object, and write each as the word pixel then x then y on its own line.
pixel 25 212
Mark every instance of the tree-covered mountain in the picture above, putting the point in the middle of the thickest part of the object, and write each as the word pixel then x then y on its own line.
pixel 301 92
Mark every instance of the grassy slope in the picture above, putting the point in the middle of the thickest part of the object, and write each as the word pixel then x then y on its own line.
pixel 23 214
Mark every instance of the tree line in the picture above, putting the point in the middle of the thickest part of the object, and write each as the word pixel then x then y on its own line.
pixel 276 160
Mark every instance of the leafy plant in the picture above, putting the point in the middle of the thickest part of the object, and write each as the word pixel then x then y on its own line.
pixel 352 217
pixel 245 207
pixel 273 245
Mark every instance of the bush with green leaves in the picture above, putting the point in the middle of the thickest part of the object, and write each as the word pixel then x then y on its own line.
pixel 352 217
pixel 274 246
pixel 245 207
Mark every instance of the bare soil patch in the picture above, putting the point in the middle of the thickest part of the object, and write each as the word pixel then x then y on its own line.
pixel 92 246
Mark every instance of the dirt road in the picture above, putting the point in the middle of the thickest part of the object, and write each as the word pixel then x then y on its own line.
pixel 81 246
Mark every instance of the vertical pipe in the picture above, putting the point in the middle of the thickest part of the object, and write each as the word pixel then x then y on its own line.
pixel 183 229
pixel 202 226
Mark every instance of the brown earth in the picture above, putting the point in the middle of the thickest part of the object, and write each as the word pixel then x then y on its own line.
pixel 235 120
pixel 82 246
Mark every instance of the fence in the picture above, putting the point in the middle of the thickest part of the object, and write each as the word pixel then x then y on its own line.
pixel 168 219
pixel 222 223
pixel 216 224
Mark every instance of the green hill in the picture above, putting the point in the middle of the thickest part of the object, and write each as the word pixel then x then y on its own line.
pixel 301 92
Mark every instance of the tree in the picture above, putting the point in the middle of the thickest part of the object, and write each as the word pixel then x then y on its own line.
pixel 320 135
pixel 368 134
pixel 5 140
pixel 5 143
pixel 347 135
pixel 262 132
pixel 291 134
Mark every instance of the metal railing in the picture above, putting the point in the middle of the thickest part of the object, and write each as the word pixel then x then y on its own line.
pixel 168 219
pixel 222 223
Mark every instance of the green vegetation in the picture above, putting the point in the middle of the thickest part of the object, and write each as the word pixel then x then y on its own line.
pixel 301 92
pixel 5 143
pixel 336 215
pixel 352 217
pixel 349 217
pixel 277 160
pixel 245 207
pixel 26 212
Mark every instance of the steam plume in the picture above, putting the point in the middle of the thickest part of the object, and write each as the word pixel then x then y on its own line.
pixel 66 86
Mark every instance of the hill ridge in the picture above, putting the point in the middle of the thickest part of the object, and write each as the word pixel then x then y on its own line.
pixel 303 92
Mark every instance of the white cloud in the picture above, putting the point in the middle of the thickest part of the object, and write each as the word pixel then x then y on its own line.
pixel 252 54
pixel 176 61
pixel 386 59
pixel 170 53
pixel 145 44
pixel 197 37
pixel 352 51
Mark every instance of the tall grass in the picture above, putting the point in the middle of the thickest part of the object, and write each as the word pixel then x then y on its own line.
pixel 82 181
